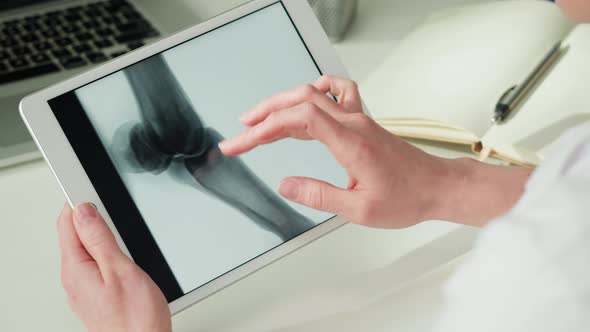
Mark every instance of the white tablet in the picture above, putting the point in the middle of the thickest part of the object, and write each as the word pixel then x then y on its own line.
pixel 138 137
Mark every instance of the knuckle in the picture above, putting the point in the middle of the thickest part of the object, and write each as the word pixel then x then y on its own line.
pixel 353 85
pixel 100 243
pixel 310 110
pixel 307 90
pixel 95 240
pixel 316 197
pixel 324 79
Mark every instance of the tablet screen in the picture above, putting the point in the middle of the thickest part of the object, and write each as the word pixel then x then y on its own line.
pixel 147 138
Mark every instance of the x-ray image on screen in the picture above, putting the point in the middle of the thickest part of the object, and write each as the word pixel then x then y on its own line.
pixel 160 121
pixel 171 135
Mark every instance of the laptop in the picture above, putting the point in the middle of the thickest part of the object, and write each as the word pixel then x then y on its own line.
pixel 46 41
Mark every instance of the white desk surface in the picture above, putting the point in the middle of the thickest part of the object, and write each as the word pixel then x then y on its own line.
pixel 350 280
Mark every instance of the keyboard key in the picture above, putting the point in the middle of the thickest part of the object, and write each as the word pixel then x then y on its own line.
pixel 39 58
pixel 42 46
pixel 107 20
pixel 18 62
pixel 135 44
pixel 11 30
pixel 96 57
pixel 103 43
pixel 119 20
pixel 3 55
pixel 134 26
pixel 135 35
pixel 72 17
pixel 52 22
pixel 117 54
pixel 49 33
pixel 3 67
pixel 19 51
pixel 73 62
pixel 92 12
pixel 82 48
pixel 32 26
pixel 61 53
pixel 83 37
pixel 105 32
pixel 11 23
pixel 28 73
pixel 29 38
pixel 63 42
pixel 92 24
pixel 8 42
pixel 70 28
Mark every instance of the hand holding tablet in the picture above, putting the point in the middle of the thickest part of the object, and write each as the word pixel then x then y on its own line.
pixel 105 288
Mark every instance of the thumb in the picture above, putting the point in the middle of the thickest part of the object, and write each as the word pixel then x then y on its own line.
pixel 315 194
pixel 95 235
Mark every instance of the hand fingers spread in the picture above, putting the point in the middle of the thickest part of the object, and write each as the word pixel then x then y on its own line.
pixel 305 121
pixel 97 238
pixel 317 194
pixel 346 91
pixel 289 99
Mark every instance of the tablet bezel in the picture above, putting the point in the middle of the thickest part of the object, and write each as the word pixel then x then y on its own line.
pixel 76 185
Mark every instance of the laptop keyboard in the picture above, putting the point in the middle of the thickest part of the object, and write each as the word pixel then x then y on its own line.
pixel 70 38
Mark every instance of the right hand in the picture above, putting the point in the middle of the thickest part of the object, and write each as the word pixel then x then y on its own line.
pixel 392 184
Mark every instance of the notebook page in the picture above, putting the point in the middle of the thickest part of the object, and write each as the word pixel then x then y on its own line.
pixel 452 69
pixel 560 102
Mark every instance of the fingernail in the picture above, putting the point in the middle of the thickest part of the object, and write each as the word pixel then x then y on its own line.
pixel 86 212
pixel 223 144
pixel 289 189
pixel 245 117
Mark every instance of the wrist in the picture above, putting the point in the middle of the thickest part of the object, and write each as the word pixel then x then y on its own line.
pixel 472 193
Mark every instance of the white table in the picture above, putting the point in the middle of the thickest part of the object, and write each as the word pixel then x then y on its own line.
pixel 353 272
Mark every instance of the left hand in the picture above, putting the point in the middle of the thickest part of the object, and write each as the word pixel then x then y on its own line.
pixel 107 290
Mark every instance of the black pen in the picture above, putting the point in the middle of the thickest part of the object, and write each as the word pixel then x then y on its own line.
pixel 515 94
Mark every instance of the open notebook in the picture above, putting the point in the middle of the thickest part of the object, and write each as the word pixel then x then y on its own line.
pixel 443 81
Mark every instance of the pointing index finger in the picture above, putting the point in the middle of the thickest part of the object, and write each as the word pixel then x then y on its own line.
pixel 305 121
pixel 289 99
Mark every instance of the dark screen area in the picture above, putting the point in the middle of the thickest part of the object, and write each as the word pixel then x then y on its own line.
pixel 11 4
pixel 109 186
